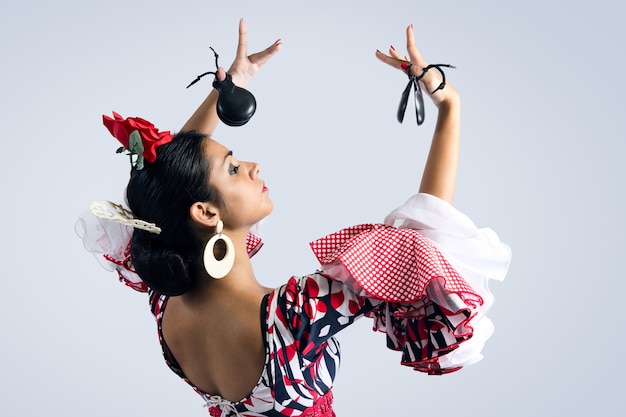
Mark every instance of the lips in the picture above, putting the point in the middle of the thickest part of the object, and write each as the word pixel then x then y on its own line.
pixel 265 187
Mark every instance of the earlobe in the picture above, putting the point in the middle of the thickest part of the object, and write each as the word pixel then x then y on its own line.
pixel 204 214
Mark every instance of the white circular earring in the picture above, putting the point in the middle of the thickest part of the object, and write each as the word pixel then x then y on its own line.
pixel 218 268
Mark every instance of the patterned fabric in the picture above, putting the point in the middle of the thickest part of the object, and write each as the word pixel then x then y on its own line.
pixel 429 305
pixel 390 264
pixel 322 408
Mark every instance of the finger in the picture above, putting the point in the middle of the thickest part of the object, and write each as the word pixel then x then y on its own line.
pixel 410 39
pixel 242 45
pixel 430 80
pixel 262 57
pixel 394 53
pixel 414 53
pixel 389 60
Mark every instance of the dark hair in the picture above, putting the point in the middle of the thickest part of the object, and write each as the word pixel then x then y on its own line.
pixel 162 193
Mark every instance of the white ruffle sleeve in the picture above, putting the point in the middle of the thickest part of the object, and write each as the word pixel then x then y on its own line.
pixel 478 255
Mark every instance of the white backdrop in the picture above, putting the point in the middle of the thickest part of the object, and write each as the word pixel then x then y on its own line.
pixel 542 150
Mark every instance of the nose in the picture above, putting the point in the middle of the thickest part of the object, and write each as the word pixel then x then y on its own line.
pixel 255 168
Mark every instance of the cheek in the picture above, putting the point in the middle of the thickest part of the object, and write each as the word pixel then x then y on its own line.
pixel 238 204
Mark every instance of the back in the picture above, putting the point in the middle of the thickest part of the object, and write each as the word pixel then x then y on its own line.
pixel 217 344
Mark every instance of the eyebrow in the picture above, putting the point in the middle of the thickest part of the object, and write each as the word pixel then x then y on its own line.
pixel 230 153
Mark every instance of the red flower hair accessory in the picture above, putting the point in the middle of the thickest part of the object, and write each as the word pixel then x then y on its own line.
pixel 138 137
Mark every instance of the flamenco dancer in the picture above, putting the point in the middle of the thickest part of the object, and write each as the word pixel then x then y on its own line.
pixel 187 236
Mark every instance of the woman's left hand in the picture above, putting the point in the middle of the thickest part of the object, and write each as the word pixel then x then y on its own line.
pixel 430 80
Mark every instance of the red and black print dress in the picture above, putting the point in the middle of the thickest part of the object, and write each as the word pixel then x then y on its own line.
pixel 421 276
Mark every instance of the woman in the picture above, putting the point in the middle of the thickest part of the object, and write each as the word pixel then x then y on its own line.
pixel 194 204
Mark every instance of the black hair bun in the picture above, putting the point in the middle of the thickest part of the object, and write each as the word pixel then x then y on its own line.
pixel 164 270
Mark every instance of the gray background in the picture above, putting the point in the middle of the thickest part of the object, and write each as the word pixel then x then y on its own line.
pixel 542 150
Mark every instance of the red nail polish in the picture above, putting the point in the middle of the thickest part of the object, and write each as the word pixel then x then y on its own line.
pixel 404 65
pixel 392 47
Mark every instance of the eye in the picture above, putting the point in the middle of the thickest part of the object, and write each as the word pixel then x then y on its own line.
pixel 233 169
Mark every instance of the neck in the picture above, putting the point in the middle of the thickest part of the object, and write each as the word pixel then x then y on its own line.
pixel 240 280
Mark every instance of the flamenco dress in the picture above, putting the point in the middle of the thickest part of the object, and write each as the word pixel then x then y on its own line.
pixel 421 276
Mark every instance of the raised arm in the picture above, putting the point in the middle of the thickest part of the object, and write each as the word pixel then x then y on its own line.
pixel 243 68
pixel 441 169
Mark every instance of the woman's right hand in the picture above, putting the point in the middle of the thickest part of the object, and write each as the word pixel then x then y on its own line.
pixel 245 66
